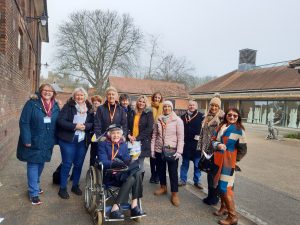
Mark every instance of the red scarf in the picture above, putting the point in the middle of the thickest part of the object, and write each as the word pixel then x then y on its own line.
pixel 48 107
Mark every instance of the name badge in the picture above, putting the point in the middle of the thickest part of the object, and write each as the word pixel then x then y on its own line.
pixel 47 119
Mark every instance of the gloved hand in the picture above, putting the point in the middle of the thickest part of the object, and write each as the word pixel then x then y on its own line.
pixel 153 155
pixel 117 163
pixel 177 155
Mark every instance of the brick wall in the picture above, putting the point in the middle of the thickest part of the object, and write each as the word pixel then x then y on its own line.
pixel 18 77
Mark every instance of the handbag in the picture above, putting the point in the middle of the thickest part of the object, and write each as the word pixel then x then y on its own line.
pixel 167 153
pixel 241 151
pixel 206 162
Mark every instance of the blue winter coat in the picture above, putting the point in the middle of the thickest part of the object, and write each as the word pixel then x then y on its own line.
pixel 34 131
pixel 105 154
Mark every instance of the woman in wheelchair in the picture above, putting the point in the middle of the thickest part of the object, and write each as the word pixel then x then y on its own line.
pixel 113 154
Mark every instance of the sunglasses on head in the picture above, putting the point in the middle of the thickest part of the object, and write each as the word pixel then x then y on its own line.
pixel 232 115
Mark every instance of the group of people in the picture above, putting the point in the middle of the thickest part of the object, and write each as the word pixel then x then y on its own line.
pixel 163 136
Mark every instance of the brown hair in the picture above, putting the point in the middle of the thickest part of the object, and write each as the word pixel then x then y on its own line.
pixel 96 98
pixel 41 88
pixel 238 124
pixel 157 93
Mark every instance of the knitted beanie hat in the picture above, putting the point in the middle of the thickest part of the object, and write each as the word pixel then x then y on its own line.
pixel 216 100
pixel 168 103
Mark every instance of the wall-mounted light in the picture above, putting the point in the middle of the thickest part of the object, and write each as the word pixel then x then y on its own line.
pixel 43 19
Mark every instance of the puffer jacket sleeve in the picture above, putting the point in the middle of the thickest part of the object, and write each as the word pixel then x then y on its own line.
pixel 180 135
pixel 62 120
pixel 154 137
pixel 103 155
pixel 24 123
pixel 146 133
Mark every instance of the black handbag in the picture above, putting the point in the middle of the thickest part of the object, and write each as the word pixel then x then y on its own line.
pixel 168 153
pixel 206 165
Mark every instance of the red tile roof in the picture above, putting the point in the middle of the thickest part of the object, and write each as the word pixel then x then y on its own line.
pixel 147 87
pixel 280 77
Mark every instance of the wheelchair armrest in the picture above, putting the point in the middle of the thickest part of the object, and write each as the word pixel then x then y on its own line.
pixel 99 165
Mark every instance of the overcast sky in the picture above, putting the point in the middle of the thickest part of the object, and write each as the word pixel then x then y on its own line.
pixel 208 33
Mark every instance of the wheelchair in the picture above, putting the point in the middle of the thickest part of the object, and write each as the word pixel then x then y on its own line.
pixel 99 197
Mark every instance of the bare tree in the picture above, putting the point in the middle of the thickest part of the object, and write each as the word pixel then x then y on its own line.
pixel 172 68
pixel 97 42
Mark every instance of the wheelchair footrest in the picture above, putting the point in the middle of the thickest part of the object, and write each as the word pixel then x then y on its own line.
pixel 123 206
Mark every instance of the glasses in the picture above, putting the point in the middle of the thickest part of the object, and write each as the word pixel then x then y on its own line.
pixel 232 115
pixel 49 91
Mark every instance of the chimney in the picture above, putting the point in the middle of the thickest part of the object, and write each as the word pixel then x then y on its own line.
pixel 247 59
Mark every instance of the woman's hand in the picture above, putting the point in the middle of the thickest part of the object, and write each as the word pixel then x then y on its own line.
pixel 153 155
pixel 222 147
pixel 80 127
pixel 131 138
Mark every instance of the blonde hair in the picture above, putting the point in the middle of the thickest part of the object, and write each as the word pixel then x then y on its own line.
pixel 80 89
pixel 139 98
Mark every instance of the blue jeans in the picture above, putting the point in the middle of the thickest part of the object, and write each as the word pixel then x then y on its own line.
pixel 34 171
pixel 185 168
pixel 71 153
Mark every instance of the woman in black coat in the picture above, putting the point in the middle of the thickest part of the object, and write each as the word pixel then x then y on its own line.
pixel 140 126
pixel 75 122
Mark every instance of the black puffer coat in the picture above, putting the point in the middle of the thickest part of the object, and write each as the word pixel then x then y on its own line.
pixel 145 130
pixel 191 129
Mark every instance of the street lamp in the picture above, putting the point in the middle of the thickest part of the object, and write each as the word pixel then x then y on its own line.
pixel 43 19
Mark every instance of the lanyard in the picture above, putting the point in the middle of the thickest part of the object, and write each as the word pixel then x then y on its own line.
pixel 111 116
pixel 113 154
pixel 187 120
pixel 47 111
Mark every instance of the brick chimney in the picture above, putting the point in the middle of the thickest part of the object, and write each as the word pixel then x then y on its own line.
pixel 247 59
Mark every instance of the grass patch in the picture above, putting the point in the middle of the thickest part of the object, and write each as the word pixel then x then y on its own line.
pixel 293 135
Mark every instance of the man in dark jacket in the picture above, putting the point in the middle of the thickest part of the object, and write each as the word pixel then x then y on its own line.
pixel 192 120
pixel 110 113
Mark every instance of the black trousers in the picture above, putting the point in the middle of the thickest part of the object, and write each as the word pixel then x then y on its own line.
pixel 153 168
pixel 93 153
pixel 134 183
pixel 172 168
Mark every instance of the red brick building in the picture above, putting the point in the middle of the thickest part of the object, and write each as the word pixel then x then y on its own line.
pixel 134 87
pixel 21 35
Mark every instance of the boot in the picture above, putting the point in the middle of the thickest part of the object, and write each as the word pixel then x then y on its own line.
pixel 161 191
pixel 175 199
pixel 232 218
pixel 223 210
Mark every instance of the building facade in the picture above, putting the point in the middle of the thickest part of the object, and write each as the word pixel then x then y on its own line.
pixel 21 35
pixel 262 94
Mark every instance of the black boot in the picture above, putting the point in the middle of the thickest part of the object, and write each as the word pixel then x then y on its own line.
pixel 207 199
pixel 214 196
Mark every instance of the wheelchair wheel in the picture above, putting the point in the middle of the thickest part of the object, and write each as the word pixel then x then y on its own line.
pixel 97 217
pixel 90 195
